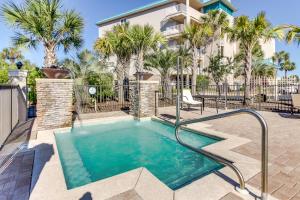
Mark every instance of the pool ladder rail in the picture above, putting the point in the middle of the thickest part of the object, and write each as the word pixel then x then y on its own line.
pixel 264 157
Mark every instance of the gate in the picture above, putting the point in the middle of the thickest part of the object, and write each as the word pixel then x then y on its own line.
pixel 101 98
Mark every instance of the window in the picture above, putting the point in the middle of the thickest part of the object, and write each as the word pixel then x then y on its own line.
pixel 123 21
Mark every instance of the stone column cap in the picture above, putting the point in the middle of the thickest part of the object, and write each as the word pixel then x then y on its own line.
pixel 155 82
pixel 18 73
pixel 49 80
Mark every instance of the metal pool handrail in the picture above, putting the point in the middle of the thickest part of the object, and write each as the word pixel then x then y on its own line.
pixel 264 159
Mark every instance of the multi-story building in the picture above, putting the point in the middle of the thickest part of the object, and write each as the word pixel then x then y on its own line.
pixel 170 18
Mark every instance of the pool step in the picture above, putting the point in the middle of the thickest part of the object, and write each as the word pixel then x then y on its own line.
pixel 73 165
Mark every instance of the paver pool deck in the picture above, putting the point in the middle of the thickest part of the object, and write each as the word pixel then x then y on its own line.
pixel 284 146
pixel 284 155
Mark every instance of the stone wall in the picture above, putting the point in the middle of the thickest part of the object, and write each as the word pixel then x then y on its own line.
pixel 142 97
pixel 54 103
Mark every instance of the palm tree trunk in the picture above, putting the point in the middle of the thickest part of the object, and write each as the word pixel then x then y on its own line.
pixel 194 71
pixel 50 55
pixel 127 69
pixel 248 71
pixel 139 65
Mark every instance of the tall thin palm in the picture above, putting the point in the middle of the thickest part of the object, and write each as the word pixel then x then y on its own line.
pixel 116 43
pixel 44 21
pixel 249 33
pixel 219 22
pixel 143 40
pixel 187 60
pixel 197 37
pixel 164 61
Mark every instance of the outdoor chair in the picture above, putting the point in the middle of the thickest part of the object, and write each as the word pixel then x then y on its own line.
pixel 188 99
pixel 295 102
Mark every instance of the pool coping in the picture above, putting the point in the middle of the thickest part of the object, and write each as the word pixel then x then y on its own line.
pixel 146 185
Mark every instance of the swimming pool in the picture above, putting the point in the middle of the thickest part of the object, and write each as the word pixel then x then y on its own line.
pixel 91 153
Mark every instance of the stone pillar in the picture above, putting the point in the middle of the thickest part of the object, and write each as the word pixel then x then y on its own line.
pixel 54 103
pixel 142 95
pixel 19 77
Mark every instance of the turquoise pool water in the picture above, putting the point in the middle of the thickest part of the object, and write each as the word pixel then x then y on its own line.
pixel 92 153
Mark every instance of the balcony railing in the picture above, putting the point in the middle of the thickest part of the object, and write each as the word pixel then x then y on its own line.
pixel 176 9
pixel 173 30
pixel 182 9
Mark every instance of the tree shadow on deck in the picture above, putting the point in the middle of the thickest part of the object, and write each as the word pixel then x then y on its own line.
pixel 43 153
pixel 87 196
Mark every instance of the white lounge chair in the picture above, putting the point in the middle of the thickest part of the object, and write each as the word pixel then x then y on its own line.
pixel 295 102
pixel 188 99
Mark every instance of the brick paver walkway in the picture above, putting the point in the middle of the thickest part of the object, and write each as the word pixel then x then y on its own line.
pixel 284 147
pixel 16 178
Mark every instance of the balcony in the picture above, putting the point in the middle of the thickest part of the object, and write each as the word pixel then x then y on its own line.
pixel 173 31
pixel 178 13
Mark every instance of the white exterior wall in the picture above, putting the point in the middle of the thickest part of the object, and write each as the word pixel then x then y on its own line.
pixel 152 17
pixel 156 16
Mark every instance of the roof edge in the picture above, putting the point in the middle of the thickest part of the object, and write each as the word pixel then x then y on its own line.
pixel 134 11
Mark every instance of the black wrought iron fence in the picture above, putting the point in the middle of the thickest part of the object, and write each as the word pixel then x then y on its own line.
pixel 262 97
pixel 101 98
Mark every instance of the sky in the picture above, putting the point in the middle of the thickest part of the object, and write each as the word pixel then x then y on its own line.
pixel 278 12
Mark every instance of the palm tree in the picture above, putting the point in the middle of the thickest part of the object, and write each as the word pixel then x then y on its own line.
pixel 219 67
pixel 287 66
pixel 249 33
pixel 117 43
pixel 12 54
pixel 164 61
pixel 262 69
pixel 278 58
pixel 44 21
pixel 143 40
pixel 187 60
pixel 218 21
pixel 197 37
pixel 293 33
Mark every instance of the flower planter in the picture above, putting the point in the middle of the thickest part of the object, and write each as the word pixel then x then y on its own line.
pixel 56 72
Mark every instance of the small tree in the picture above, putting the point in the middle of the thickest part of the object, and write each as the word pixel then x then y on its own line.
pixel 197 37
pixel 164 61
pixel 202 82
pixel 250 32
pixel 218 68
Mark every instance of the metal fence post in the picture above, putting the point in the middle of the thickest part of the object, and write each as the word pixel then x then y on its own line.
pixel 11 110
pixel 259 98
pixel 156 103
pixel 226 90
